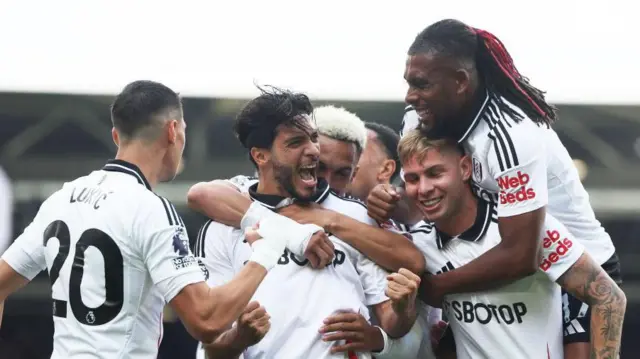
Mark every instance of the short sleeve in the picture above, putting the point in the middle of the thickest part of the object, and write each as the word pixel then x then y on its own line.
pixel 164 247
pixel 518 164
pixel 410 120
pixel 26 255
pixel 560 250
pixel 373 279
pixel 242 182
pixel 213 250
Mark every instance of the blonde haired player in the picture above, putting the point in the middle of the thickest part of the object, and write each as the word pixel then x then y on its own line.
pixel 519 319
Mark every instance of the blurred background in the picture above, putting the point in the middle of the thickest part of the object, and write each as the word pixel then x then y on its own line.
pixel 61 66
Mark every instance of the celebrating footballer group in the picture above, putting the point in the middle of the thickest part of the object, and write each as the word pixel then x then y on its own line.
pixel 469 235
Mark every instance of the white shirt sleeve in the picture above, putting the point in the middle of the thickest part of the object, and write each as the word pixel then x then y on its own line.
pixel 164 247
pixel 27 253
pixel 560 250
pixel 373 279
pixel 214 252
pixel 517 161
pixel 410 120
pixel 242 182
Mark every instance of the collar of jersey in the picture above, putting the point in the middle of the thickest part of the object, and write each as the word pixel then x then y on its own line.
pixel 127 168
pixel 477 230
pixel 275 202
pixel 482 107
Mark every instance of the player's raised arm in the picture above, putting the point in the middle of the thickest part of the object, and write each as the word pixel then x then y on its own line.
pixel 206 312
pixel 220 201
pixel 521 172
pixel 389 249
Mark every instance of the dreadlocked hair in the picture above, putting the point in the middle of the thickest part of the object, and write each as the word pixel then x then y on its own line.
pixel 492 62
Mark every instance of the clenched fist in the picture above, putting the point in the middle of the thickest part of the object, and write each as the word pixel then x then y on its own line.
pixel 402 289
pixel 382 202
pixel 253 324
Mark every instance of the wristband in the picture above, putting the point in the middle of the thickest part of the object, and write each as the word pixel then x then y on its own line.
pixel 254 214
pixel 385 339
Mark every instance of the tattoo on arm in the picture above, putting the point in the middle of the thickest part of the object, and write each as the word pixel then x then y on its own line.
pixel 587 281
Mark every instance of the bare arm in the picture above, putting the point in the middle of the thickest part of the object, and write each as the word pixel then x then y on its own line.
pixel 226 346
pixel 587 281
pixel 10 281
pixel 220 201
pixel 517 251
pixel 388 249
pixel 395 323
pixel 207 312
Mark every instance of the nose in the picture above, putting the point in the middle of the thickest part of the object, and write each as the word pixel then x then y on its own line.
pixel 426 187
pixel 411 97
pixel 313 150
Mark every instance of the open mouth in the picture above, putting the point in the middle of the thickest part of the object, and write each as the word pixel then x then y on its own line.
pixel 308 174
pixel 424 113
pixel 431 204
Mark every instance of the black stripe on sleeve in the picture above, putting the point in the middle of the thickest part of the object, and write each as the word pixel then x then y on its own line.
pixel 201 239
pixel 167 211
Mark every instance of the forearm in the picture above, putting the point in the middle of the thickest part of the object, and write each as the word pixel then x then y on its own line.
pixel 396 323
pixel 1 312
pixel 389 250
pixel 587 281
pixel 227 302
pixel 226 346
pixel 220 201
pixel 497 267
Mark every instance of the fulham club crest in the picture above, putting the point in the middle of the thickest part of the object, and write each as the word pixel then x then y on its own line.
pixel 477 170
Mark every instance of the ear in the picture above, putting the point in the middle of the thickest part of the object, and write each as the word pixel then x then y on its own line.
pixel 386 170
pixel 115 137
pixel 465 167
pixel 260 155
pixel 463 80
pixel 172 131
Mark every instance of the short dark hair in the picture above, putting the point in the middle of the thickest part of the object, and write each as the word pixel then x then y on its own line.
pixel 257 122
pixel 459 41
pixel 389 140
pixel 140 105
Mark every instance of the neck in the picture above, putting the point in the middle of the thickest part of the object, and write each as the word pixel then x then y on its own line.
pixel 471 109
pixel 269 185
pixel 148 160
pixel 463 218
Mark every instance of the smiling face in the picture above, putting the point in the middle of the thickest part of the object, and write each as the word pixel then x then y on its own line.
pixel 436 179
pixel 438 91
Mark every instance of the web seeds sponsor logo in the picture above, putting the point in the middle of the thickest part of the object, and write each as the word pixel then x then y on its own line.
pixel 509 183
pixel 562 247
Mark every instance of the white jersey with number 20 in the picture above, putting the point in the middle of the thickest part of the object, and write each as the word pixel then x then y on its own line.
pixel 116 254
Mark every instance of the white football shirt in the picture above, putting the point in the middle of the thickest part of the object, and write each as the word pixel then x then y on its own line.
pixel 297 297
pixel 520 320
pixel 522 167
pixel 116 254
